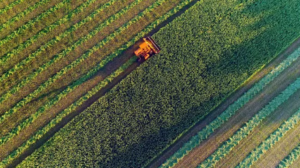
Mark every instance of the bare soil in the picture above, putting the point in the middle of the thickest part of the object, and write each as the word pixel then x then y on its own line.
pixel 194 158
pixel 83 88
pixel 282 148
pixel 260 133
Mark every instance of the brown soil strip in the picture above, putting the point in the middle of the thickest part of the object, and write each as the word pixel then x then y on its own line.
pixel 6 31
pixel 211 116
pixel 110 67
pixel 260 133
pixel 50 51
pixel 83 88
pixel 15 10
pixel 38 26
pixel 45 76
pixel 25 112
pixel 273 157
pixel 45 57
pixel 61 28
pixel 197 155
pixel 296 164
pixel 4 3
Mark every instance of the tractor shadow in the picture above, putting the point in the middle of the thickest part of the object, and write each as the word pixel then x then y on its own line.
pixel 146 148
pixel 271 42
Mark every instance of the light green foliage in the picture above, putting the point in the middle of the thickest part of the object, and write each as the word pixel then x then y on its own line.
pixel 291 158
pixel 243 132
pixel 10 6
pixel 63 114
pixel 68 67
pixel 31 22
pixel 230 111
pixel 270 141
pixel 67 111
pixel 45 32
pixel 206 53
pixel 55 40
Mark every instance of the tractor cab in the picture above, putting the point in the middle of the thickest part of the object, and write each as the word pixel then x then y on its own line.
pixel 146 49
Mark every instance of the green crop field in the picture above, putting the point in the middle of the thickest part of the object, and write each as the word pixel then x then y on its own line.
pixel 57 57
pixel 51 53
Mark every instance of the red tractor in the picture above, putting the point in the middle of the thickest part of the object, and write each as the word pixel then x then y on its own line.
pixel 146 49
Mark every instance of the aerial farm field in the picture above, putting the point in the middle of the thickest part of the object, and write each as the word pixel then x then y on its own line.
pixel 58 57
pixel 48 66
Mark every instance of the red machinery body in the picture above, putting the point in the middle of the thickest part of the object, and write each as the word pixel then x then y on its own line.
pixel 147 49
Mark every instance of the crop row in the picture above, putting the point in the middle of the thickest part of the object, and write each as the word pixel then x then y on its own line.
pixel 291 158
pixel 49 104
pixel 58 56
pixel 44 32
pixel 10 6
pixel 244 131
pixel 67 111
pixel 230 111
pixel 270 141
pixel 40 133
pixel 31 22
pixel 63 54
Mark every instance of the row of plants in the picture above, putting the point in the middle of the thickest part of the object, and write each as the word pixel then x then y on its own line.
pixel 48 29
pixel 230 111
pixel 244 131
pixel 291 158
pixel 10 6
pixel 92 72
pixel 62 54
pixel 70 66
pixel 33 21
pixel 270 141
pixel 40 133
pixel 87 54
pixel 202 61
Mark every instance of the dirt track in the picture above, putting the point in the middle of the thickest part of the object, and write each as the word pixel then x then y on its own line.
pixel 260 133
pixel 109 68
pixel 243 115
pixel 197 155
pixel 296 164
pixel 281 149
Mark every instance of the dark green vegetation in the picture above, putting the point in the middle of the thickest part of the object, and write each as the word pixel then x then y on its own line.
pixel 206 54
pixel 38 109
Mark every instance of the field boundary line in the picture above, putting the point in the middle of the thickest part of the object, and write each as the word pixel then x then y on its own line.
pixel 56 57
pixel 67 111
pixel 270 141
pixel 121 49
pixel 244 131
pixel 87 54
pixel 230 111
pixel 70 66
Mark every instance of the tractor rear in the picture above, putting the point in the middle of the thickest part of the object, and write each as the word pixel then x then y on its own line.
pixel 146 49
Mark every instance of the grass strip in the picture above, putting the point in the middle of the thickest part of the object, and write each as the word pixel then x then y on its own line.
pixel 10 6
pixel 32 21
pixel 244 131
pixel 61 54
pixel 124 47
pixel 270 141
pixel 49 104
pixel 230 111
pixel 291 158
pixel 66 51
pixel 65 112
pixel 44 32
